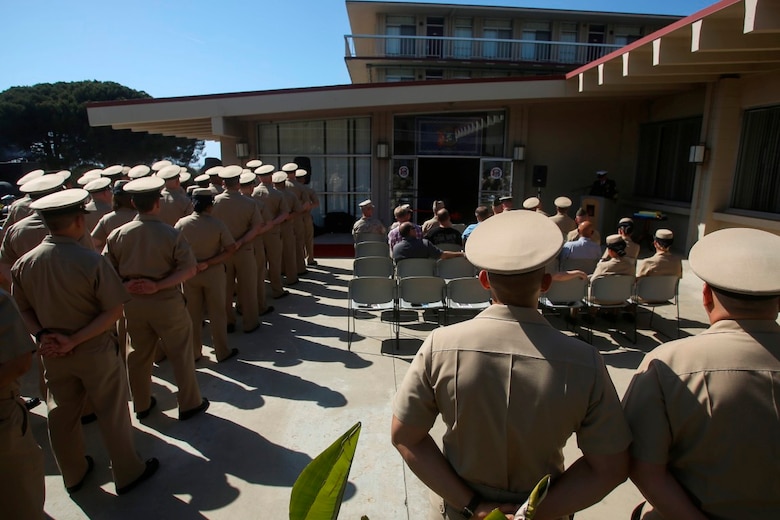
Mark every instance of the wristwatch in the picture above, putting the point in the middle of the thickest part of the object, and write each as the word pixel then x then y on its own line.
pixel 468 511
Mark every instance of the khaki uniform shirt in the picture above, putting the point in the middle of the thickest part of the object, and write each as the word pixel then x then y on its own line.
pixel 208 236
pixel 96 208
pixel 25 235
pixel 511 390
pixel 238 212
pixel 17 211
pixel 16 340
pixel 67 286
pixel 148 248
pixel 174 204
pixel 632 250
pixel 660 264
pixel 575 234
pixel 613 266
pixel 274 204
pixel 429 225
pixel 707 407
pixel 564 222
pixel 111 221
pixel 368 225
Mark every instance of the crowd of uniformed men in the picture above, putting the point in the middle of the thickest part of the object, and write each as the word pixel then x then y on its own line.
pixel 118 269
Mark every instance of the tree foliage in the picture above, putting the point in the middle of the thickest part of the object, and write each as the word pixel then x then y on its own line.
pixel 48 123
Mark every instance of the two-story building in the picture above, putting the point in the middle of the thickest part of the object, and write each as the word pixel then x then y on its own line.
pixel 686 118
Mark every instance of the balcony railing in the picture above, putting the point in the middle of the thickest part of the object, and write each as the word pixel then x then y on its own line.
pixel 466 49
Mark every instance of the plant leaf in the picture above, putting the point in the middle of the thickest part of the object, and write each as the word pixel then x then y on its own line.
pixel 319 489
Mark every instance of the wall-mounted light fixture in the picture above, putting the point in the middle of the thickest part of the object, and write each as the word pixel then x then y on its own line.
pixel 518 153
pixel 242 150
pixel 382 150
pixel 697 153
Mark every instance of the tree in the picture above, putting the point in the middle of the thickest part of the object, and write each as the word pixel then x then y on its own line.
pixel 48 123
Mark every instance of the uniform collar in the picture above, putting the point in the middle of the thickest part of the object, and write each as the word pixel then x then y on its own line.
pixel 511 313
pixel 59 239
pixel 743 326
pixel 147 217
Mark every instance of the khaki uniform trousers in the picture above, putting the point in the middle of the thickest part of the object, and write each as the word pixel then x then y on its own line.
pixel 162 317
pixel 241 269
pixel 92 371
pixel 207 290
pixel 300 244
pixel 308 236
pixel 273 253
pixel 289 261
pixel 21 462
pixel 262 270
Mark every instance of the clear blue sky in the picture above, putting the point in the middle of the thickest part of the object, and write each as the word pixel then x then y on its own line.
pixel 168 48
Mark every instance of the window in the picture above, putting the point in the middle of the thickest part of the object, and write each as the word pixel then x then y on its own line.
pixel 400 26
pixel 340 155
pixel 568 53
pixel 497 30
pixel 396 75
pixel 757 179
pixel 471 134
pixel 464 30
pixel 663 170
pixel 539 31
pixel 434 74
pixel 625 34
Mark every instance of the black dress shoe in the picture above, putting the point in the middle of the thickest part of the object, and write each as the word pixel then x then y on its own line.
pixel 233 353
pixel 89 418
pixel 250 331
pixel 90 466
pixel 312 262
pixel 32 402
pixel 268 310
pixel 144 414
pixel 284 293
pixel 152 465
pixel 189 414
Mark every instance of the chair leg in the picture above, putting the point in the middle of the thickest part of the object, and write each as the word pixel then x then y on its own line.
pixel 397 325
pixel 350 317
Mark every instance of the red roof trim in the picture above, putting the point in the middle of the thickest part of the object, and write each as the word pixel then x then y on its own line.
pixel 517 79
pixel 719 6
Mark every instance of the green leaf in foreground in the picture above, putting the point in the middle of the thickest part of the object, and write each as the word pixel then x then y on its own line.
pixel 319 489
pixel 534 499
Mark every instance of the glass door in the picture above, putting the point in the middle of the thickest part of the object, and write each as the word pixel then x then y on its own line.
pixel 495 180
pixel 403 184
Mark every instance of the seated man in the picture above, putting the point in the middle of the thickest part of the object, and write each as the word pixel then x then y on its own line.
pixel 482 213
pixel 663 262
pixel 584 248
pixel 625 229
pixel 432 223
pixel 445 233
pixel 367 223
pixel 411 246
pixel 402 214
pixel 615 261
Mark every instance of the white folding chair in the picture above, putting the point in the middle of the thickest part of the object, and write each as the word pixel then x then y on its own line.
pixel 565 295
pixel 449 247
pixel 418 293
pixel 465 294
pixel 371 249
pixel 370 237
pixel 658 291
pixel 610 292
pixel 373 266
pixel 415 267
pixel 457 267
pixel 369 294
pixel 579 264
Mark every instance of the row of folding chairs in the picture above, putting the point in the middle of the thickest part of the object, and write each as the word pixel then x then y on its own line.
pixel 384 266
pixel 615 292
pixel 414 293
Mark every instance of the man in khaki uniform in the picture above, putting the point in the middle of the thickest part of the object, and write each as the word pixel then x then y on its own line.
pixel 367 223
pixel 704 410
pixel 663 262
pixel 580 217
pixel 299 227
pixel 153 260
pixel 70 298
pixel 429 225
pixel 511 390
pixel 276 210
pixel 533 204
pixel 308 221
pixel 122 213
pixel 211 244
pixel 21 459
pixel 20 208
pixel 243 219
pixel 248 184
pixel 561 217
pixel 100 193
pixel 174 203
pixel 625 228
pixel 615 261
pixel 289 254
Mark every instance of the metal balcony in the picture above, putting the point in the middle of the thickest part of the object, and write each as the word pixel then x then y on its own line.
pixel 374 46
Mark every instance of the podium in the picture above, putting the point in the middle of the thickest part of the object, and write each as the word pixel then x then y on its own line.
pixel 602 213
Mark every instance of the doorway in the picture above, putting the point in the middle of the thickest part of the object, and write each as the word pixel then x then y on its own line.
pixel 453 180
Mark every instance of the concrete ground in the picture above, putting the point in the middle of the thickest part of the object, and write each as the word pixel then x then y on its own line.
pixel 293 389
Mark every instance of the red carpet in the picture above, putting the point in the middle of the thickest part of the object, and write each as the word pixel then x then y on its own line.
pixel 334 250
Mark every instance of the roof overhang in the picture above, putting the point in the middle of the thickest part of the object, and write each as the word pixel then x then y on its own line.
pixel 729 38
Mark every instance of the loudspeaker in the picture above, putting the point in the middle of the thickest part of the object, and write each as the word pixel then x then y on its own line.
pixel 540 176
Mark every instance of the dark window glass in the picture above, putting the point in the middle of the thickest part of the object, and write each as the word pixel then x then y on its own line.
pixel 757 179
